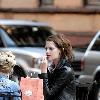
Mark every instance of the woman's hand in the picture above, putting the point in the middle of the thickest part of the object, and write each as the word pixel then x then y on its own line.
pixel 43 65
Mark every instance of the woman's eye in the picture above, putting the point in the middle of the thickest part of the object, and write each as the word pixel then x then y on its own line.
pixel 51 48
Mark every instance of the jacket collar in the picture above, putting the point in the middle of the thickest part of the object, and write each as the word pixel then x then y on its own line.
pixel 62 62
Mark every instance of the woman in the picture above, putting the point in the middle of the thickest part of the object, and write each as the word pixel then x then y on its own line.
pixel 8 88
pixel 58 78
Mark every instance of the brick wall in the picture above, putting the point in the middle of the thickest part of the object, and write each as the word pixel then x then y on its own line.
pixel 18 3
pixel 64 15
pixel 68 3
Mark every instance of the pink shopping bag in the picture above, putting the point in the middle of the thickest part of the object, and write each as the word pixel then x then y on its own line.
pixel 32 88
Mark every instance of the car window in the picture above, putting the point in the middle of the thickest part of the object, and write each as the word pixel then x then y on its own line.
pixel 81 48
pixel 96 46
pixel 1 43
pixel 28 35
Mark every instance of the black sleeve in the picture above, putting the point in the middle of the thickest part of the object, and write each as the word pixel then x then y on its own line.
pixel 63 77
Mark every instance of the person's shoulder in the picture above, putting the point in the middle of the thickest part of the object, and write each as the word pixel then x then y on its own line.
pixel 15 86
pixel 14 83
pixel 68 69
pixel 8 85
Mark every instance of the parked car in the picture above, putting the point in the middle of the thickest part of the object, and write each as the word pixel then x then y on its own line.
pixel 26 40
pixel 90 73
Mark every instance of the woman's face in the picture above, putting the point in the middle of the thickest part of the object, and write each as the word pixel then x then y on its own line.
pixel 52 52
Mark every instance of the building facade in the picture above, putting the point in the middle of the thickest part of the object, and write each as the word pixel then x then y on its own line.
pixel 78 19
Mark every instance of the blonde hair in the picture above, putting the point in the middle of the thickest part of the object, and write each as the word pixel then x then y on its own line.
pixel 7 61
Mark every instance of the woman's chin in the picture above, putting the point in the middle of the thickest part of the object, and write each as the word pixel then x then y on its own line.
pixel 49 59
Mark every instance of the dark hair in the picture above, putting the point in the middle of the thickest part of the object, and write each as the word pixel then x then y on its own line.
pixel 63 44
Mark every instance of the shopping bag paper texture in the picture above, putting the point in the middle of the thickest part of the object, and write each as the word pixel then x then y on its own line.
pixel 32 88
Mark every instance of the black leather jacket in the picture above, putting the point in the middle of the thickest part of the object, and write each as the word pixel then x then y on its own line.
pixel 60 83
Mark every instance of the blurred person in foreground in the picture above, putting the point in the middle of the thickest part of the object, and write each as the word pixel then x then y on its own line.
pixel 58 77
pixel 7 87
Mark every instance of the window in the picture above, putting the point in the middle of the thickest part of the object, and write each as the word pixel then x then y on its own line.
pixel 45 2
pixel 94 2
pixel 1 43
pixel 36 35
pixel 96 46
